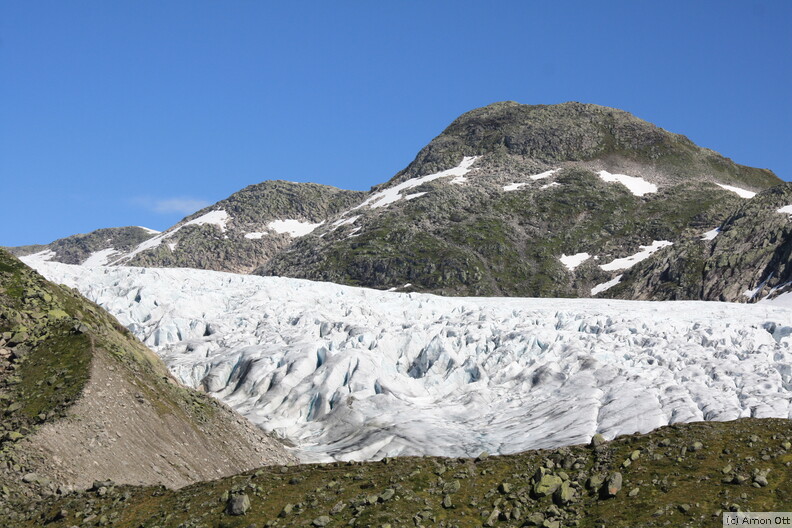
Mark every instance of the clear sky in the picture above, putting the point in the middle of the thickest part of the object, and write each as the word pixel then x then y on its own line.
pixel 136 112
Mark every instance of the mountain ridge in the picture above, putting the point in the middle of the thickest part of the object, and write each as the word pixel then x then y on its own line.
pixel 491 206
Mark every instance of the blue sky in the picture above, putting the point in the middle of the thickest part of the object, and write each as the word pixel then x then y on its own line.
pixel 139 112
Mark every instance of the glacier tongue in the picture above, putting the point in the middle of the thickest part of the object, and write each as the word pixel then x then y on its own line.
pixel 351 373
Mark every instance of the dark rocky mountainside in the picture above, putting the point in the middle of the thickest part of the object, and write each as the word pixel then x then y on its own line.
pixel 83 400
pixel 498 231
pixel 750 258
pixel 681 475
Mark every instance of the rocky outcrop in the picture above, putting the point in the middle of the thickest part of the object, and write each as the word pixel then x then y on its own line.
pixel 750 258
pixel 581 132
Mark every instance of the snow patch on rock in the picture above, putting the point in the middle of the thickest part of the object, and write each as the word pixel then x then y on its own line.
pixel 787 209
pixel 632 260
pixel 217 217
pixel 459 180
pixel 711 234
pixel 573 261
pixel 543 175
pixel 294 228
pixel 637 186
pixel 100 258
pixel 742 193
pixel 394 194
pixel 599 288
pixel 514 186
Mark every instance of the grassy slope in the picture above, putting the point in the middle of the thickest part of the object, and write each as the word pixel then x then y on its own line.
pixel 677 486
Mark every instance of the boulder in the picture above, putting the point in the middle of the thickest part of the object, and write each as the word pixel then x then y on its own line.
pixel 238 504
pixel 613 485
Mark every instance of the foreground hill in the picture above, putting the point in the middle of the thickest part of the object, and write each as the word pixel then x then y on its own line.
pixel 511 199
pixel 84 400
pixel 683 475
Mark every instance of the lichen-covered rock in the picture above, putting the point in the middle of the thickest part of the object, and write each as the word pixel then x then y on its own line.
pixel 564 494
pixel 545 483
pixel 597 440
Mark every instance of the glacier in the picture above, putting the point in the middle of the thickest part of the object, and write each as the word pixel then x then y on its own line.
pixel 347 373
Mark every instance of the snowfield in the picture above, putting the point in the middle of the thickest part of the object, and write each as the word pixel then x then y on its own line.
pixel 352 373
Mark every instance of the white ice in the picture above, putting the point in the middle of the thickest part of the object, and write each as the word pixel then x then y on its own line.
pixel 785 299
pixel 599 288
pixel 352 373
pixel 712 233
pixel 742 193
pixel 42 256
pixel 637 186
pixel 100 258
pixel 394 194
pixel 294 228
pixel 573 261
pixel 632 260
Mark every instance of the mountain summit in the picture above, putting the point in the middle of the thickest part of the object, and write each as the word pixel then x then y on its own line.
pixel 527 200
pixel 578 132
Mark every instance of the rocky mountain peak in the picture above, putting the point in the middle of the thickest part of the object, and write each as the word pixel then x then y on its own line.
pixel 575 132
